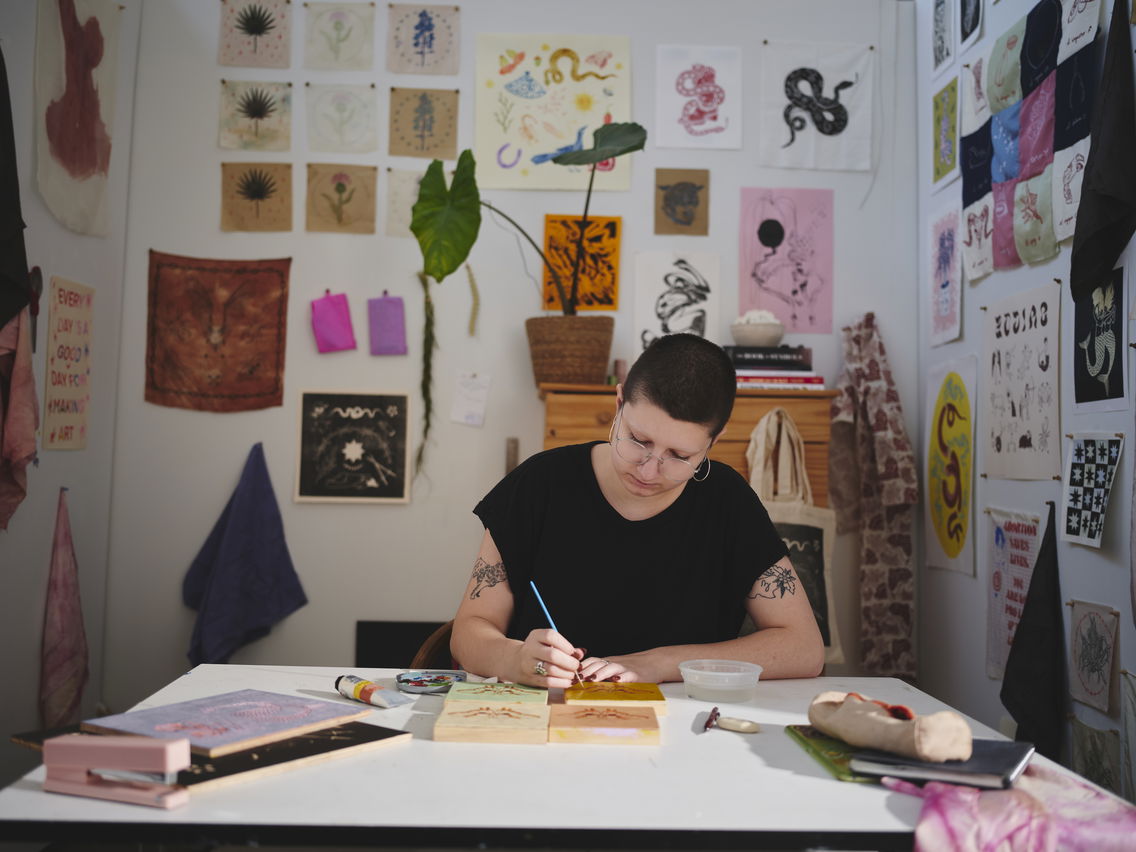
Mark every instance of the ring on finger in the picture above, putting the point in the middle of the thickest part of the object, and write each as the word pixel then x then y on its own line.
pixel 540 669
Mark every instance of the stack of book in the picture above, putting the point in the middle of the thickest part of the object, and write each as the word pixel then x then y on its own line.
pixel 775 367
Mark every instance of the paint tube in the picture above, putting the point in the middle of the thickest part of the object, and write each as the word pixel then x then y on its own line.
pixel 369 692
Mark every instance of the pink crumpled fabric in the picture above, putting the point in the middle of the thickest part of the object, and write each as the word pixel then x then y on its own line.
pixel 19 413
pixel 1045 811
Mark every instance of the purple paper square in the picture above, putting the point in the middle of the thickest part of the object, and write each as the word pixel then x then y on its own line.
pixel 388 325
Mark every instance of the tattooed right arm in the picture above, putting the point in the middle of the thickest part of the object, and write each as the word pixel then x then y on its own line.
pixel 486 576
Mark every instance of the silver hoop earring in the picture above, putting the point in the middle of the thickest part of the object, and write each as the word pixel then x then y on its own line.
pixel 705 461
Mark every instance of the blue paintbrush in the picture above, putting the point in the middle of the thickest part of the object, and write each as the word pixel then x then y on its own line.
pixel 548 615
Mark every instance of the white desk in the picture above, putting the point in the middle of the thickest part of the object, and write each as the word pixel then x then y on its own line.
pixel 715 789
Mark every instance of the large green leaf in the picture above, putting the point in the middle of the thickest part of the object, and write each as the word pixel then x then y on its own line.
pixel 611 140
pixel 446 220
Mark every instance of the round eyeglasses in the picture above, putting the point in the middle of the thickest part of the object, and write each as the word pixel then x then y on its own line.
pixel 672 467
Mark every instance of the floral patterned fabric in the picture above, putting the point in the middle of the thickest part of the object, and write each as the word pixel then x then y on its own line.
pixel 873 487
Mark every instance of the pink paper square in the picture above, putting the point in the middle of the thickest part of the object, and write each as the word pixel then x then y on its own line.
pixel 1035 134
pixel 331 322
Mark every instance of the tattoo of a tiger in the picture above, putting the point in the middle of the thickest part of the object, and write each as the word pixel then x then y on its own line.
pixel 487 576
pixel 775 582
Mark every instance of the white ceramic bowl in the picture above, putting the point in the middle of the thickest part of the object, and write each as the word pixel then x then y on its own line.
pixel 757 333
pixel 721 681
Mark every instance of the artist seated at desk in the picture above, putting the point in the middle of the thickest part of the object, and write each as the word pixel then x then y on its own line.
pixel 645 552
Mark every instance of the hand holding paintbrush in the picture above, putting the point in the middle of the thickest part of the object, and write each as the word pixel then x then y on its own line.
pixel 540 668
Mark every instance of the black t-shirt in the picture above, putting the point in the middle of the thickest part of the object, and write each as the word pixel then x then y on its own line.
pixel 616 586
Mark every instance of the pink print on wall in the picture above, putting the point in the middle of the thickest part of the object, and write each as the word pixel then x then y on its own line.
pixel 785 262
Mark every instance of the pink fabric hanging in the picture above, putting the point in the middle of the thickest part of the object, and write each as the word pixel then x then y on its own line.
pixel 19 413
pixel 63 660
pixel 1045 811
pixel 331 322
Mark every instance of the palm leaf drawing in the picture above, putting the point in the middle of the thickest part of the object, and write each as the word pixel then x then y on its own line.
pixel 256 105
pixel 256 185
pixel 254 21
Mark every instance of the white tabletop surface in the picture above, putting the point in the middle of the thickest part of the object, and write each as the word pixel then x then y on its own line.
pixel 716 780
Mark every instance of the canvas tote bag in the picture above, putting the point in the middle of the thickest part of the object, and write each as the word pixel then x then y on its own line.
pixel 776 457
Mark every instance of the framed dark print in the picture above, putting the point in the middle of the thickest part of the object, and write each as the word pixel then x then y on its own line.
pixel 354 447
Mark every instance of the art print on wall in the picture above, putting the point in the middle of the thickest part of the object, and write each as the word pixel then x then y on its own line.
pixel 950 465
pixel 1092 654
pixel 255 33
pixel 816 106
pixel 256 196
pixel 67 385
pixel 599 267
pixel 942 35
pixel 402 193
pixel 255 116
pixel 342 119
pixel 1100 346
pixel 969 24
pixel 1012 545
pixel 540 95
pixel 1096 755
pixel 785 262
pixel 341 198
pixel 76 69
pixel 423 39
pixel 1080 20
pixel 945 136
pixel 682 201
pixel 353 447
pixel 216 332
pixel 946 277
pixel 698 96
pixel 675 292
pixel 1089 472
pixel 340 36
pixel 424 123
pixel 1020 406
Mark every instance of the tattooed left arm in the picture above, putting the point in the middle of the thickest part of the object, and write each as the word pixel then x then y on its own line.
pixel 787 642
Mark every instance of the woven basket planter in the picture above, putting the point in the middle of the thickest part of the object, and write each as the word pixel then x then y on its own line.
pixel 570 349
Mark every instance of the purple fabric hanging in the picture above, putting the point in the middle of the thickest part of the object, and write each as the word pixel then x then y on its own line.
pixel 331 322
pixel 388 325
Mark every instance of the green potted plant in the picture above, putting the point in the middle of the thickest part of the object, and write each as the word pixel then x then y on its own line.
pixel 446 222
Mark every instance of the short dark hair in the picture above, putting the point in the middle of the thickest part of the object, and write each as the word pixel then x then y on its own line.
pixel 688 377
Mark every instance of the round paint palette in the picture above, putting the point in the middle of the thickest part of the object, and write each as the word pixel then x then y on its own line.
pixel 428 680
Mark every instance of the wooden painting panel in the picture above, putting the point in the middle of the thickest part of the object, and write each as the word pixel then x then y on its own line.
pixel 492 722
pixel 603 725
pixel 233 721
pixel 510 693
pixel 606 694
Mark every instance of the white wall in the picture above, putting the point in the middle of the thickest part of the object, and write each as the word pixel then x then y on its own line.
pixel 953 607
pixel 25 549
pixel 175 469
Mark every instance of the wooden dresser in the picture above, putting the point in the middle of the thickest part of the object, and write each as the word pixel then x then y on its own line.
pixel 577 413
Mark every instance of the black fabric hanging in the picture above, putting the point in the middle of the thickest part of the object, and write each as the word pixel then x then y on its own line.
pixel 1035 684
pixel 14 290
pixel 1106 216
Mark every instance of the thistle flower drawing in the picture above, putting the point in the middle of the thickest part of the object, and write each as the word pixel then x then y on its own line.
pixel 256 185
pixel 343 194
pixel 256 105
pixel 340 33
pixel 255 21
